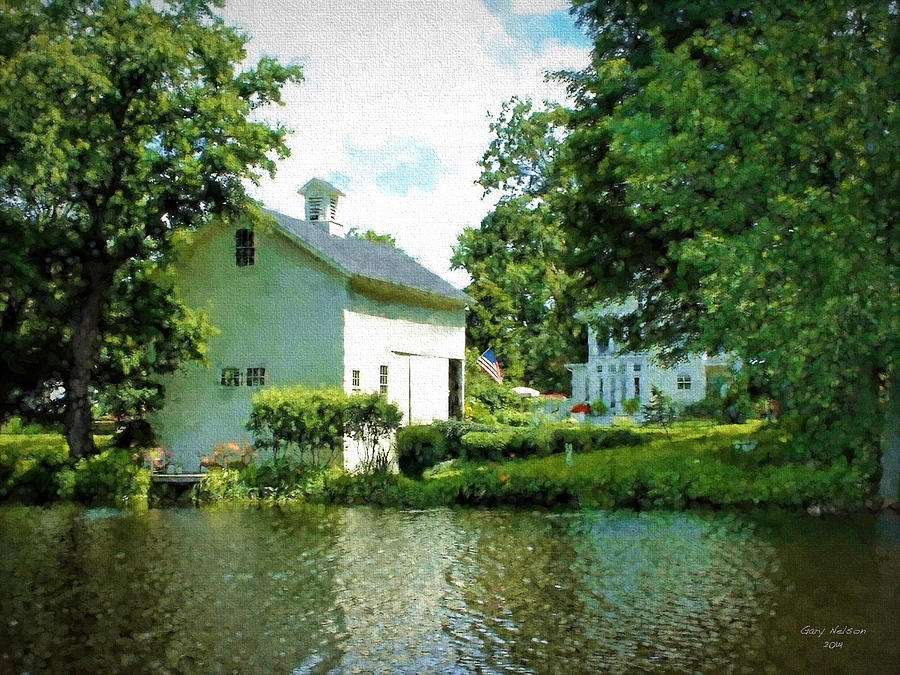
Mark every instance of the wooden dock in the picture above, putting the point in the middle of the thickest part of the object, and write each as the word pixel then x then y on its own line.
pixel 177 478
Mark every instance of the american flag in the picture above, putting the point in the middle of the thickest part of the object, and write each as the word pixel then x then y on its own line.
pixel 489 364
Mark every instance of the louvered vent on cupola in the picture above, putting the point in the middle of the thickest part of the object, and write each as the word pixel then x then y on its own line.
pixel 321 205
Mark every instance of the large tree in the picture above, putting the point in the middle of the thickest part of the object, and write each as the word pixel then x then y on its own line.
pixel 732 166
pixel 526 299
pixel 124 122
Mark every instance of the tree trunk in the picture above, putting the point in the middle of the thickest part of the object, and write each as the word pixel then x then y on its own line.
pixel 890 444
pixel 85 330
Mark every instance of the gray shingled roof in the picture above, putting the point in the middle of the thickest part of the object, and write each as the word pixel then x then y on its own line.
pixel 363 258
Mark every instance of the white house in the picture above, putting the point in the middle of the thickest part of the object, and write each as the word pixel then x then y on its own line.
pixel 299 303
pixel 614 376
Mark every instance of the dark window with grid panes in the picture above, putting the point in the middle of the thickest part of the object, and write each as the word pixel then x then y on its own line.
pixel 232 377
pixel 354 380
pixel 256 377
pixel 683 382
pixel 383 380
pixel 244 249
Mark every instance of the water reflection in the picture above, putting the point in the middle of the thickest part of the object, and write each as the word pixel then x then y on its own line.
pixel 319 589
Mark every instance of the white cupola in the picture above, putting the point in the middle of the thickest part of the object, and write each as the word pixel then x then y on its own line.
pixel 321 205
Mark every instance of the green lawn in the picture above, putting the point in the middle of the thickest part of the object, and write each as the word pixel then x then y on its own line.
pixel 695 461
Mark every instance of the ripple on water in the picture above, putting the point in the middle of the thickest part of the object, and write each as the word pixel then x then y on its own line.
pixel 344 590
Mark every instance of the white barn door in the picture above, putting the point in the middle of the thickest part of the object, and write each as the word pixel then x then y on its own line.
pixel 423 388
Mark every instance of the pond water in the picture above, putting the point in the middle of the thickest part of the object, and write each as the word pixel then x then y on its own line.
pixel 329 589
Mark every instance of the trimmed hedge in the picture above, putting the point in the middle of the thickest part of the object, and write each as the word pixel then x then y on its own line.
pixel 422 446
pixel 311 423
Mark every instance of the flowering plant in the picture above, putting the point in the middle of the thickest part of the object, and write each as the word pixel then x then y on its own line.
pixel 158 459
pixel 229 454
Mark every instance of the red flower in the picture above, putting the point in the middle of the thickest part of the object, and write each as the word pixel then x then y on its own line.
pixel 581 408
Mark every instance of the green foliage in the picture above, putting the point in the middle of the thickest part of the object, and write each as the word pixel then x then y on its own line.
pixel 36 469
pixel 695 464
pixel 485 445
pixel 487 401
pixel 300 419
pixel 124 124
pixel 17 425
pixel 110 478
pixel 631 406
pixel 134 433
pixel 29 465
pixel 730 166
pixel 525 305
pixel 372 235
pixel 660 410
pixel 369 419
pixel 312 423
pixel 420 446
pixel 220 484
pixel 598 407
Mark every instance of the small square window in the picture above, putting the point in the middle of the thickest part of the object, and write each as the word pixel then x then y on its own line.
pixel 637 367
pixel 354 380
pixel 683 382
pixel 599 369
pixel 244 248
pixel 232 377
pixel 383 379
pixel 256 377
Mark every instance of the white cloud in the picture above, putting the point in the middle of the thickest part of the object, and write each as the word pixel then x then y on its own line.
pixel 388 72
pixel 538 6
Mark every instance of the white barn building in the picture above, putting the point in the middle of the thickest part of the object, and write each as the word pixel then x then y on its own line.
pixel 300 303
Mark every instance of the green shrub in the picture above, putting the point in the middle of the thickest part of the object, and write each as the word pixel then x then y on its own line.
pixel 660 410
pixel 312 424
pixel 29 465
pixel 369 419
pixel 631 406
pixel 18 426
pixel 515 418
pixel 598 407
pixel 420 446
pixel 307 420
pixel 217 484
pixel 110 478
pixel 485 445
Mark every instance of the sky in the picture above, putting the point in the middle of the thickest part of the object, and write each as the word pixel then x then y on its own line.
pixel 394 108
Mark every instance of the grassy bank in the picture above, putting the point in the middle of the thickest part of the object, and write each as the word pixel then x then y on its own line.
pixel 694 463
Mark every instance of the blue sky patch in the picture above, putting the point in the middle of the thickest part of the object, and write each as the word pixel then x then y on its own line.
pixel 532 30
pixel 401 165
